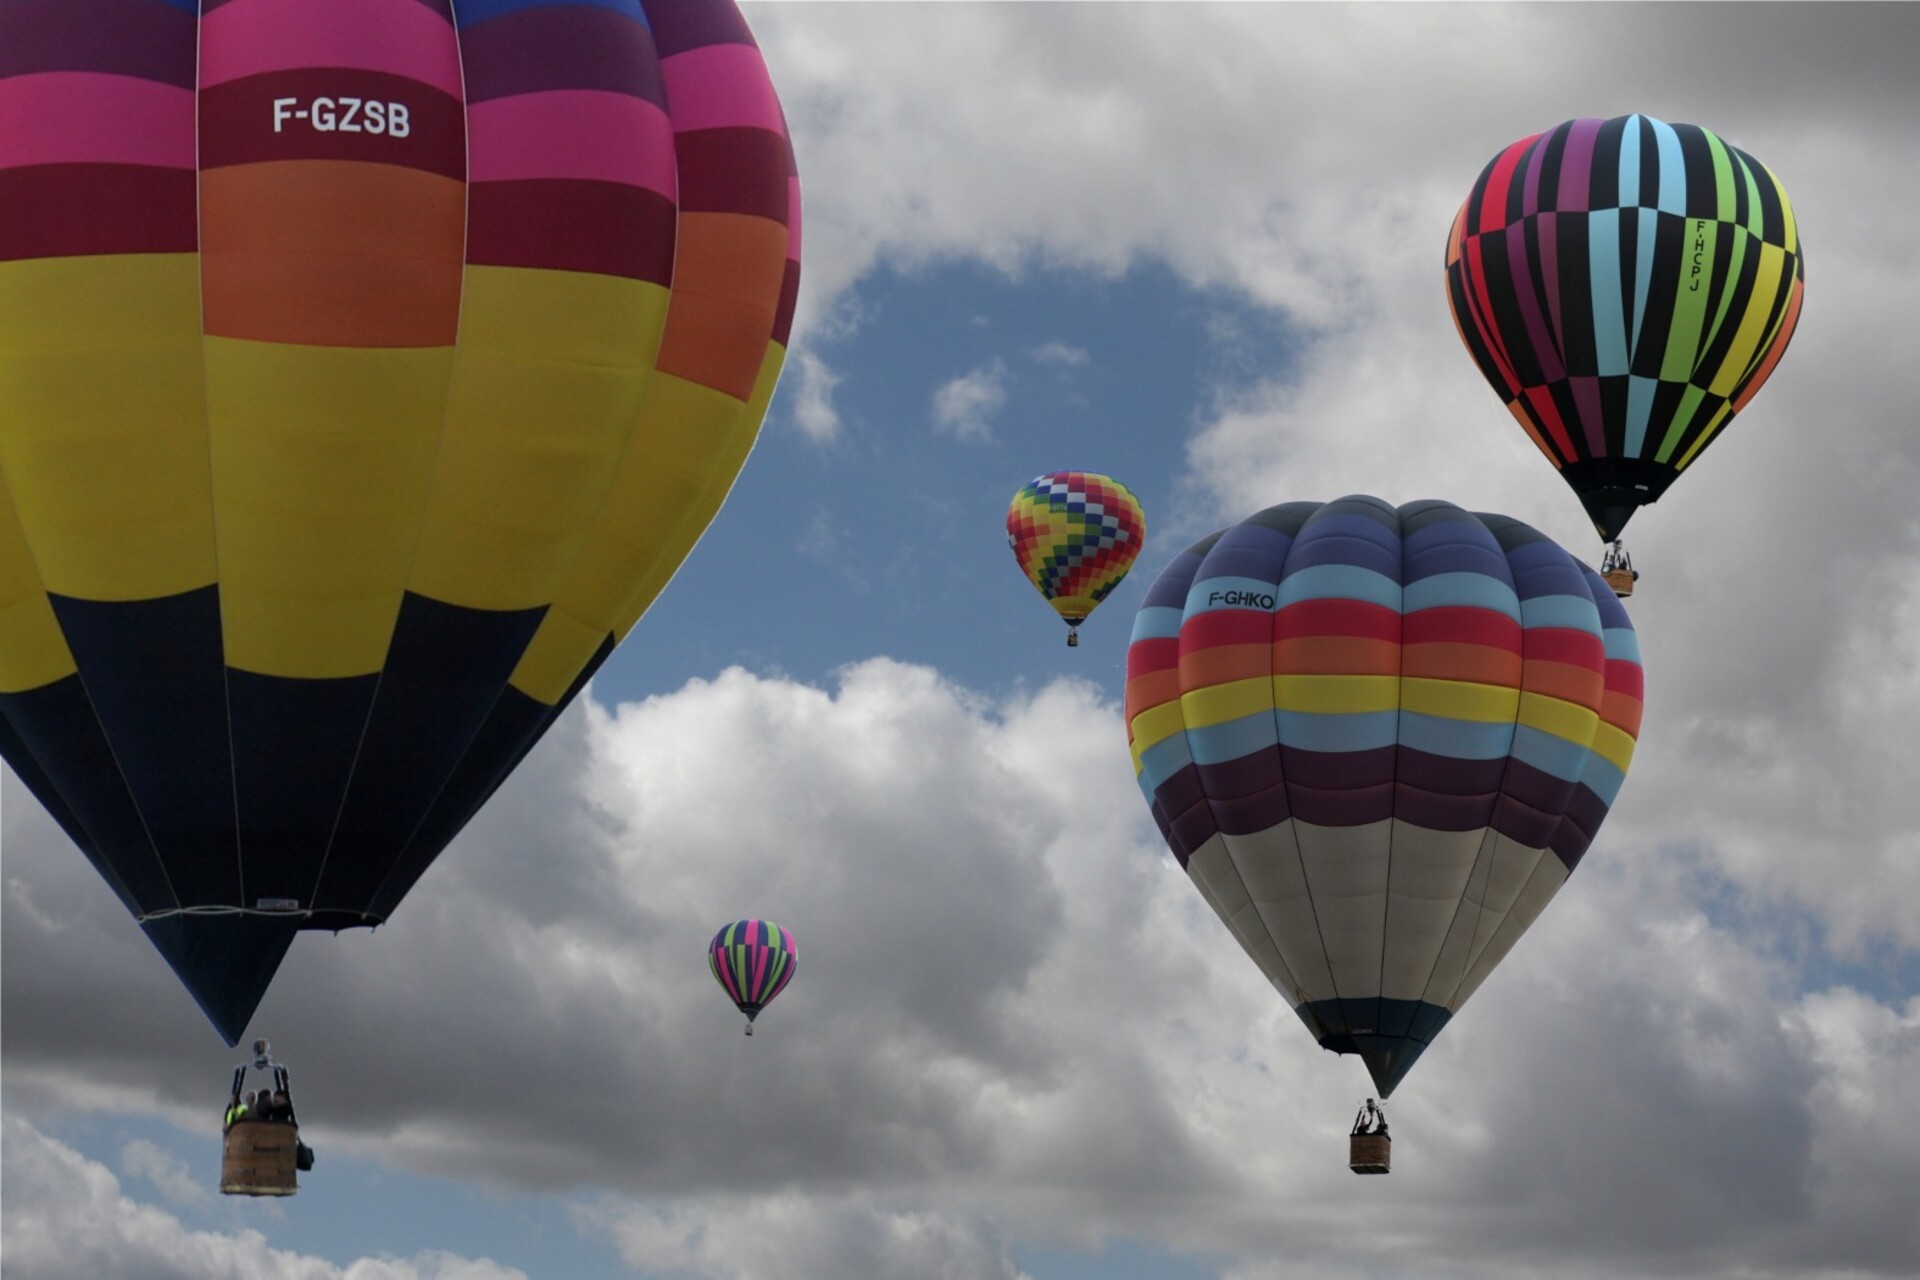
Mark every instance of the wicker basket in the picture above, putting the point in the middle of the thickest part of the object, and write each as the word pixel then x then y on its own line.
pixel 1369 1153
pixel 1621 580
pixel 259 1159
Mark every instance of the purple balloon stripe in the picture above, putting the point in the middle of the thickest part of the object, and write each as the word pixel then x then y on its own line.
pixel 1231 779
pixel 1593 424
pixel 560 47
pixel 1440 811
pixel 1524 824
pixel 1449 775
pixel 1338 770
pixel 121 37
pixel 1344 808
pixel 1576 166
pixel 1181 791
pixel 1543 346
pixel 1245 815
pixel 1548 231
pixel 1536 787
pixel 1535 162
pixel 680 25
pixel 1585 812
pixel 1191 828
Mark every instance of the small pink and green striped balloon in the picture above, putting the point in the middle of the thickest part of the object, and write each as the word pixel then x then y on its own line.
pixel 753 961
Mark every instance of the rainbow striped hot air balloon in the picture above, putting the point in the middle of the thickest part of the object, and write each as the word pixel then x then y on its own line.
pixel 1626 286
pixel 753 961
pixel 1075 534
pixel 1379 740
pixel 366 369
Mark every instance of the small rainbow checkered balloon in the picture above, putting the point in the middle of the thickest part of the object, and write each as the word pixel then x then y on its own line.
pixel 1075 534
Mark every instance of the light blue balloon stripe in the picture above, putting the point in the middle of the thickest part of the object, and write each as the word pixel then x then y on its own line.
pixel 1232 739
pixel 1161 622
pixel 1457 739
pixel 1475 589
pixel 1549 752
pixel 1340 582
pixel 1355 731
pixel 1575 613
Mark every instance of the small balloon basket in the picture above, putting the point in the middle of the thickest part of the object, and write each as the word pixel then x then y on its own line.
pixel 1617 571
pixel 1370 1153
pixel 259 1159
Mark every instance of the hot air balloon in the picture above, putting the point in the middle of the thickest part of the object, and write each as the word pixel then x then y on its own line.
pixel 366 369
pixel 753 961
pixel 1379 739
pixel 1075 534
pixel 1625 286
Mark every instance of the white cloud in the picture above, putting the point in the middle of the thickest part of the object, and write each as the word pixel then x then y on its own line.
pixel 167 1173
pixel 775 1236
pixel 67 1219
pixel 965 407
pixel 813 409
pixel 1013 1015
pixel 1061 353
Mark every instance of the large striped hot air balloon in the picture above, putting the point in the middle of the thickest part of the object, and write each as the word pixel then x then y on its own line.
pixel 1379 740
pixel 753 961
pixel 1075 535
pixel 1625 286
pixel 367 367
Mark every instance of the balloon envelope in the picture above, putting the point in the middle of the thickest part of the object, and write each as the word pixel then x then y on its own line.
pixel 1379 739
pixel 363 378
pixel 753 961
pixel 1075 534
pixel 1625 286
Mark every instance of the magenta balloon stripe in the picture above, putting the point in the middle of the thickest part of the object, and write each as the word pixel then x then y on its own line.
pixel 248 38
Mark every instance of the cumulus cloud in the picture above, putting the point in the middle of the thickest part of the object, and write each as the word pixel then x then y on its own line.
pixel 68 1218
pixel 165 1172
pixel 811 385
pixel 793 1234
pixel 1278 151
pixel 1013 1014
pixel 965 407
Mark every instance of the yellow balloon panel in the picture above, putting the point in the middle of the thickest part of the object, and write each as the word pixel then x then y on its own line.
pixel 547 384
pixel 33 652
pixel 322 460
pixel 104 449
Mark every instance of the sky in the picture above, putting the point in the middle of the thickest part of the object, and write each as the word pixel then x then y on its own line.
pixel 1197 247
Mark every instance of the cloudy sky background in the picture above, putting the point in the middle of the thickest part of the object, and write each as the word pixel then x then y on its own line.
pixel 1198 247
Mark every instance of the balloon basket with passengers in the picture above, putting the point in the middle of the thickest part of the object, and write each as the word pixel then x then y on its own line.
pixel 1369 1147
pixel 261 1150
